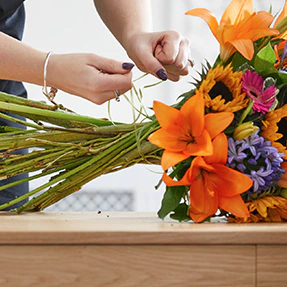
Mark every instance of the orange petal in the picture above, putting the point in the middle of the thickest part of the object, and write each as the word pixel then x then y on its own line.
pixel 202 203
pixel 254 35
pixel 193 111
pixel 234 205
pixel 182 182
pixel 201 147
pixel 207 16
pixel 283 179
pixel 260 20
pixel 168 139
pixel 165 115
pixel 230 182
pixel 282 15
pixel 215 123
pixel 244 47
pixel 237 11
pixel 220 150
pixel 170 159
pixel 197 165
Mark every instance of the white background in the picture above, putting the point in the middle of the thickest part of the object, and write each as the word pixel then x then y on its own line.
pixel 68 26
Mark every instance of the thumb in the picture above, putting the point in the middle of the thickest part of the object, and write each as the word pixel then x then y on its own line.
pixel 153 66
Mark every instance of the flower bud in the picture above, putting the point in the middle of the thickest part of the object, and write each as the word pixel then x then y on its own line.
pixel 244 130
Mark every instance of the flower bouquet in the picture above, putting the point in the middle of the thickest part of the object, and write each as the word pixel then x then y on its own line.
pixel 222 146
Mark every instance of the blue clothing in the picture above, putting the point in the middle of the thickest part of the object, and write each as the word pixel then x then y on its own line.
pixel 12 18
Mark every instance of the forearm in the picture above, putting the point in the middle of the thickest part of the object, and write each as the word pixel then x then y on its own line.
pixel 125 18
pixel 20 62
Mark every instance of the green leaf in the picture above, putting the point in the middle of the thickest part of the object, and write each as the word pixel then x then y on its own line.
pixel 238 60
pixel 181 213
pixel 283 192
pixel 265 59
pixel 171 200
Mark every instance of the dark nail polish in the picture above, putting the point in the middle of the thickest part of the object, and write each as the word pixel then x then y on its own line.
pixel 162 74
pixel 127 66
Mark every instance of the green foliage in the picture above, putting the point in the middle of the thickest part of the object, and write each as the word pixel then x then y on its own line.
pixel 171 200
pixel 283 192
pixel 181 213
pixel 265 59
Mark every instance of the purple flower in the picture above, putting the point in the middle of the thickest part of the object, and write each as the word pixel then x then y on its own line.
pixel 258 159
pixel 252 85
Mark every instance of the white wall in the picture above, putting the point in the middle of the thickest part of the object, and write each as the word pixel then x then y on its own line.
pixel 68 26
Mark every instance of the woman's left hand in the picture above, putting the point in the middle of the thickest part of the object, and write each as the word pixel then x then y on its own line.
pixel 164 54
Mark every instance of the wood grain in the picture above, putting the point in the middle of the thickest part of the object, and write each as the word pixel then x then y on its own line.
pixel 271 266
pixel 127 266
pixel 129 228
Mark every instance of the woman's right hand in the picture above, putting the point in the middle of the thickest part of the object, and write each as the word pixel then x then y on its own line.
pixel 89 76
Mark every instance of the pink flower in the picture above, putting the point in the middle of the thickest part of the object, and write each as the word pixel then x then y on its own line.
pixel 252 85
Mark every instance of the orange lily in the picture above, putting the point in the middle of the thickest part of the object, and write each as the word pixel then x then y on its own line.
pixel 283 14
pixel 239 27
pixel 213 185
pixel 187 132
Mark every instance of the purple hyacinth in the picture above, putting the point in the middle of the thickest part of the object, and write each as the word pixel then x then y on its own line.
pixel 258 159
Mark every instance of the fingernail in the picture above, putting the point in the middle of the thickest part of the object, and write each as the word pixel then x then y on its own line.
pixel 127 66
pixel 162 74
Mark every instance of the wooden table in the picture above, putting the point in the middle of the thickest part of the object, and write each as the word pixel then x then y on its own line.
pixel 138 250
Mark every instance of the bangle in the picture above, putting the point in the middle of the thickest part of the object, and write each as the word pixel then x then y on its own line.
pixel 52 93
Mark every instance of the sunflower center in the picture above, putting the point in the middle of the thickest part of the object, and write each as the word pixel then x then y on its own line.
pixel 220 89
pixel 282 129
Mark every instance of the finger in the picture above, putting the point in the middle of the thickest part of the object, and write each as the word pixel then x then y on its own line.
pixel 153 66
pixel 110 82
pixel 181 65
pixel 168 50
pixel 110 66
pixel 172 77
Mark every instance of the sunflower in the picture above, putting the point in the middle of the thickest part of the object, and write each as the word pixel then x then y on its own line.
pixel 266 209
pixel 221 89
pixel 274 129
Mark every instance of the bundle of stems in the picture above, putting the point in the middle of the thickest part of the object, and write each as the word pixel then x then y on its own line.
pixel 70 148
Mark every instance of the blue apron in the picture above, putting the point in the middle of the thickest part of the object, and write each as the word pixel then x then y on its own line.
pixel 12 18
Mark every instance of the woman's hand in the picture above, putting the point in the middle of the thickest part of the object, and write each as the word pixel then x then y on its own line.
pixel 163 54
pixel 89 76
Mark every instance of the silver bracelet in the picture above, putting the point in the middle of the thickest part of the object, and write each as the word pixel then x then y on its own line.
pixel 52 93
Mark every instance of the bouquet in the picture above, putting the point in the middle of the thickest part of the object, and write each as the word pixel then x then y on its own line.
pixel 222 146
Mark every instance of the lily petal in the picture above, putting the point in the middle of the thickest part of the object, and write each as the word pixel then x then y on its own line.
pixel 207 16
pixel 245 47
pixel 170 182
pixel 282 15
pixel 202 203
pixel 165 115
pixel 201 147
pixel 230 182
pixel 236 11
pixel 215 123
pixel 193 110
pixel 168 139
pixel 220 150
pixel 170 159
pixel 260 20
pixel 234 205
